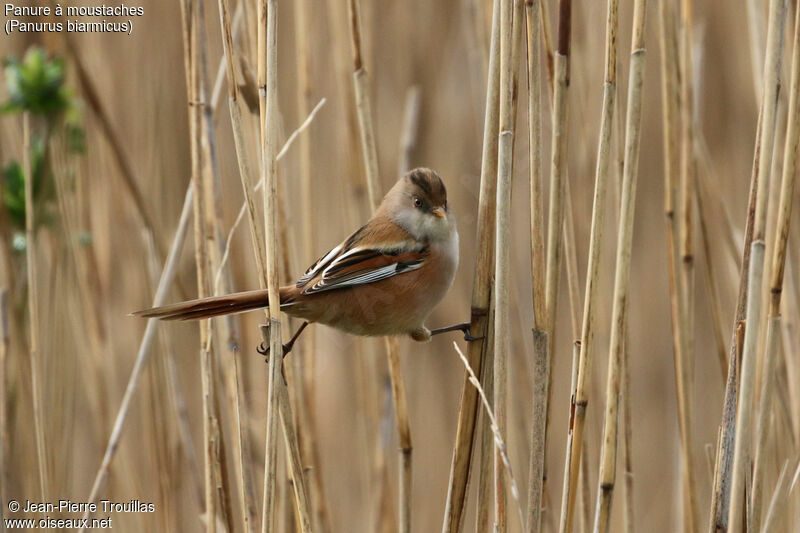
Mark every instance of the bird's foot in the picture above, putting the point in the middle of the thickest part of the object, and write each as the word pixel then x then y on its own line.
pixel 463 327
pixel 263 349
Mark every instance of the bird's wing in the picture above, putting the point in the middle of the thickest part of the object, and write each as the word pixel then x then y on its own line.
pixel 377 251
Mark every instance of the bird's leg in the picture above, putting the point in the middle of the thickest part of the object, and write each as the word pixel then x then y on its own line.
pixel 264 350
pixel 463 327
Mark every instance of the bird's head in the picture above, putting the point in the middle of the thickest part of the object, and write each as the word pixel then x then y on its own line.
pixel 418 204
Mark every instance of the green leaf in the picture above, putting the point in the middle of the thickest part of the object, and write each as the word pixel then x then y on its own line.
pixel 36 84
pixel 12 186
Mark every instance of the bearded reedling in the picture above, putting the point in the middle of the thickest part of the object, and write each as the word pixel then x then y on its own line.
pixel 384 279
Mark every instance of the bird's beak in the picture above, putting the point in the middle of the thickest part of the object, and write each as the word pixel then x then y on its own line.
pixel 439 212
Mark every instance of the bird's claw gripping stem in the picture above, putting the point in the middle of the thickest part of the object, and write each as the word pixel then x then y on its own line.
pixel 463 327
pixel 264 350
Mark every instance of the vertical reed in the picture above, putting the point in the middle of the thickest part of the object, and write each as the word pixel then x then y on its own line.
pixel 541 362
pixel 196 93
pixel 720 497
pixel 511 20
pixel 267 88
pixel 4 433
pixel 756 273
pixel 37 377
pixel 670 105
pixel 558 175
pixel 557 166
pixel 777 267
pixel 479 352
pixel 684 363
pixel 608 454
pixel 580 399
pixel 242 472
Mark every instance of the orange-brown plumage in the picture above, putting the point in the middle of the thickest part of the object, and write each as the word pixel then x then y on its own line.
pixel 384 279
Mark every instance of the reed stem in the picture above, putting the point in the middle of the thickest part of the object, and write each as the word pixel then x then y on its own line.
pixel 756 275
pixel 479 353
pixel 608 454
pixel 37 376
pixel 581 393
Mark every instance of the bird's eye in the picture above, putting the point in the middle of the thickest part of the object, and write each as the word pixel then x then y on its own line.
pixel 417 202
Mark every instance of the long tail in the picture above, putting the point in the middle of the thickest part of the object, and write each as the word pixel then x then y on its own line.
pixel 215 305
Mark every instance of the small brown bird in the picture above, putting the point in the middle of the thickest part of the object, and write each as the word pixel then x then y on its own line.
pixel 384 279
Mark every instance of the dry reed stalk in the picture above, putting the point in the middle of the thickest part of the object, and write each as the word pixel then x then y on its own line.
pixel 410 131
pixel 245 457
pixel 541 361
pixel 684 362
pixel 164 283
pixel 496 434
pixel 533 40
pixel 558 167
pixel 248 508
pixel 37 376
pixel 780 497
pixel 720 498
pixel 576 348
pixel 4 433
pixel 711 281
pixel 363 105
pixel 721 490
pixel 476 39
pixel 486 450
pixel 608 455
pixel 478 352
pixel 756 272
pixel 404 433
pixel 369 152
pixel 547 42
pixel 196 94
pixel 278 406
pixel 384 517
pixel 245 167
pixel 267 90
pixel 571 264
pixel 511 20
pixel 234 27
pixel 581 393
pixel 489 464
pixel 627 443
pixel 585 504
pixel 778 264
pixel 755 33
pixel 374 472
pixel 290 437
pixel 671 99
pixel 225 331
pixel 764 410
pixel 708 182
pixel 541 371
pixel 558 175
pixel 790 335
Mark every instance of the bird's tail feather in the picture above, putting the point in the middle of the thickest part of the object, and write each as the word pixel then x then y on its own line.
pixel 214 306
